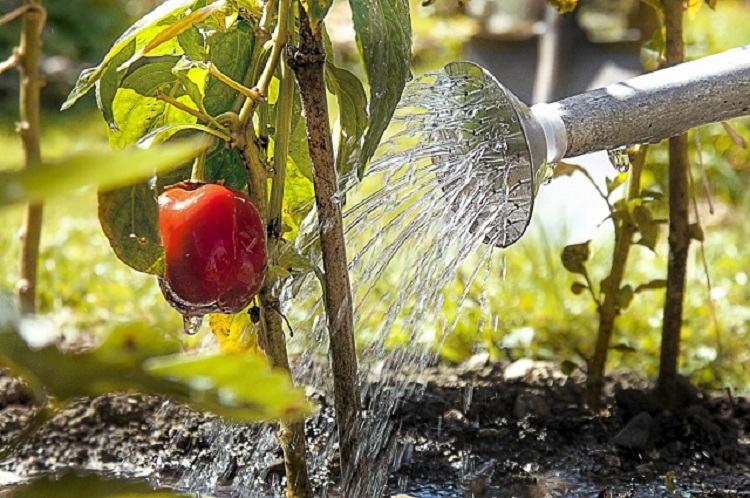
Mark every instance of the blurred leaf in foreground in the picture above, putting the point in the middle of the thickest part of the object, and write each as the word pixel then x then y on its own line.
pixel 105 168
pixel 91 486
pixel 135 357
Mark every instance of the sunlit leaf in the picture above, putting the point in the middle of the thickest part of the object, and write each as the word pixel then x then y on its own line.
pixel 736 137
pixel 104 168
pixel 612 184
pixel 174 29
pixel 383 29
pixel 136 37
pixel 237 386
pixel 564 169
pixel 235 333
pixel 563 6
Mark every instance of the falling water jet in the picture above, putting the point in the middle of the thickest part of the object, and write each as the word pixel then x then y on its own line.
pixel 457 180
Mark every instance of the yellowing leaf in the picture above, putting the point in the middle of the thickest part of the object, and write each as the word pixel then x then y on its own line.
pixel 235 333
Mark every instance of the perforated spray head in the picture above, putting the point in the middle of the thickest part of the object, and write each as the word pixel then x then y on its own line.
pixel 503 148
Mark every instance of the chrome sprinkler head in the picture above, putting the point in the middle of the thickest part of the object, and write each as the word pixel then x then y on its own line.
pixel 506 148
pixel 502 135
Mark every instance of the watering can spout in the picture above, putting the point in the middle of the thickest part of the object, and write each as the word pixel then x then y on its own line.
pixel 648 108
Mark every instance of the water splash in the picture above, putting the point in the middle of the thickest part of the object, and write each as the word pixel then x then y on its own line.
pixel 619 159
pixel 192 324
pixel 450 185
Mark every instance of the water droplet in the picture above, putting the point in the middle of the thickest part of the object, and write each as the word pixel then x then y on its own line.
pixel 619 159
pixel 192 324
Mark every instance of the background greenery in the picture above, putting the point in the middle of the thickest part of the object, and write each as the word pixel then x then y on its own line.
pixel 529 312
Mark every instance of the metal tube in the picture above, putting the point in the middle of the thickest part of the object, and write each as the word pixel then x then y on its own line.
pixel 657 105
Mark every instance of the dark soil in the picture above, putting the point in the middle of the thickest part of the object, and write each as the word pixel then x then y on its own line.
pixel 476 430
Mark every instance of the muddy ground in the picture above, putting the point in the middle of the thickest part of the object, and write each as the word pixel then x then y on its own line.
pixel 479 429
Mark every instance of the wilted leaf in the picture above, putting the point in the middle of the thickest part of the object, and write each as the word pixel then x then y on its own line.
pixel 574 256
pixel 105 168
pixel 383 29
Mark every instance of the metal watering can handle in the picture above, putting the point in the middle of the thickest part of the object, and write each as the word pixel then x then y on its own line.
pixel 648 108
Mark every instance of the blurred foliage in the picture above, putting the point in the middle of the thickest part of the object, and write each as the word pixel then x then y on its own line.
pixel 134 356
pixel 91 486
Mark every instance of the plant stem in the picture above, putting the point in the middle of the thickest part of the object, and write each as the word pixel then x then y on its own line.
pixel 29 130
pixel 609 308
pixel 679 225
pixel 291 433
pixel 308 61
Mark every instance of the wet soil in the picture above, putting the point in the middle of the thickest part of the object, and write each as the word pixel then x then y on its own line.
pixel 479 429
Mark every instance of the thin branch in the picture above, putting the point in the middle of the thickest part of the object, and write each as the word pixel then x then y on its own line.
pixel 224 131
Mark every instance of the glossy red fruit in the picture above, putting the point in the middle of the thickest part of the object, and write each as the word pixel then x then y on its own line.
pixel 215 245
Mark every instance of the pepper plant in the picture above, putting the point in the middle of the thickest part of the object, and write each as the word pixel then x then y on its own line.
pixel 254 77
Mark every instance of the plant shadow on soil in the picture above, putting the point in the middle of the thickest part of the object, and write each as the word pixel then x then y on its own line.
pixel 479 429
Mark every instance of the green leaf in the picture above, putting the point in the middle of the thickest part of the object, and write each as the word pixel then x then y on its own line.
pixel 193 76
pixel 316 10
pixel 90 486
pixel 567 367
pixel 383 29
pixel 612 184
pixel 104 168
pixel 578 288
pixel 137 357
pixel 696 232
pixel 230 52
pixel 652 285
pixel 298 198
pixel 135 38
pixel 225 165
pixel 129 217
pixel 624 297
pixel 623 348
pixel 352 102
pixel 238 386
pixel 175 28
pixel 575 256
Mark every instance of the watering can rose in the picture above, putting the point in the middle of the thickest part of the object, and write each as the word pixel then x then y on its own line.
pixel 215 248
